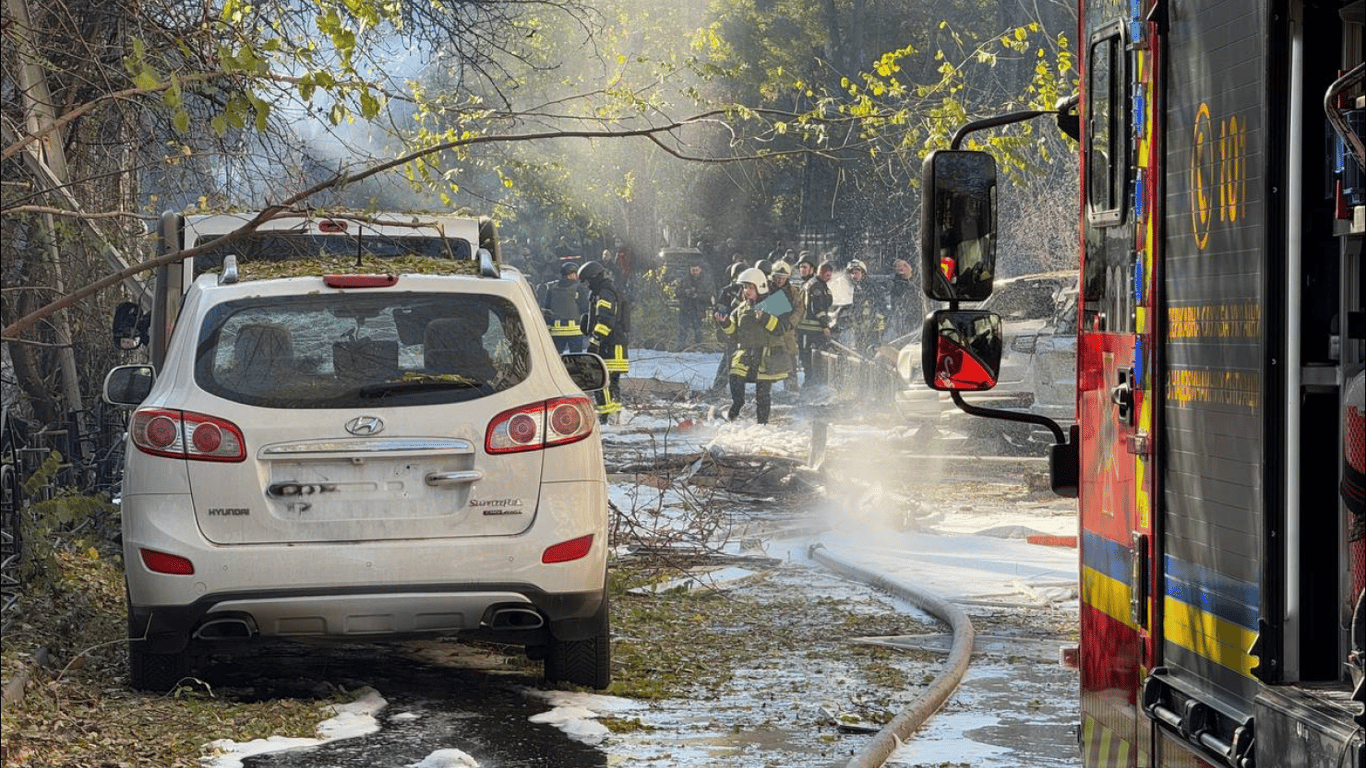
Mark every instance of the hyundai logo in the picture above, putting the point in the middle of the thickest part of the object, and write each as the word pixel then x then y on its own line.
pixel 365 425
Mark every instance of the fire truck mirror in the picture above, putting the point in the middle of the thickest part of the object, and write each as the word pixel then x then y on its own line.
pixel 958 225
pixel 966 355
pixel 1064 465
pixel 130 326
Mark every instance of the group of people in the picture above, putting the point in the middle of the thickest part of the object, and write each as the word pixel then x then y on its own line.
pixel 772 317
pixel 774 321
pixel 546 264
pixel 760 326
pixel 585 310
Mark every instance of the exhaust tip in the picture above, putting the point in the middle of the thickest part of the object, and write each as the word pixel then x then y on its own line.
pixel 516 618
pixel 225 629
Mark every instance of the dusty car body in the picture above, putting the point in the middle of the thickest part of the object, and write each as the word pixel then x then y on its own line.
pixel 362 457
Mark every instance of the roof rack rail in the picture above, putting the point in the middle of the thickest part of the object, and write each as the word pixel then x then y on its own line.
pixel 486 266
pixel 229 274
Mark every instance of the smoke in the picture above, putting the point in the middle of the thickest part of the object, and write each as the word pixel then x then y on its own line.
pixel 876 477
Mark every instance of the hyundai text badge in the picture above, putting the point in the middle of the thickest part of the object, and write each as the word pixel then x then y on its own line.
pixel 365 425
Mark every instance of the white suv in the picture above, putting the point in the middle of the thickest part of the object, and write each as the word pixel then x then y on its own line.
pixel 363 457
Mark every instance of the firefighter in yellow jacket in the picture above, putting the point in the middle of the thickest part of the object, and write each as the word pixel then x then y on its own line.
pixel 761 355
pixel 608 327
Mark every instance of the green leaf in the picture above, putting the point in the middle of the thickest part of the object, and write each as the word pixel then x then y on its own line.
pixel 262 108
pixel 173 96
pixel 146 78
pixel 369 105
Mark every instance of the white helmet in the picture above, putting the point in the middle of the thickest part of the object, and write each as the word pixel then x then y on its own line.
pixel 755 277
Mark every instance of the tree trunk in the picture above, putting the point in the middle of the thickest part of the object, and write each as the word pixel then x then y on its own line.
pixel 40 115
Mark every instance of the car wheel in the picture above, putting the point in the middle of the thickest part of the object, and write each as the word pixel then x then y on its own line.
pixel 156 672
pixel 586 662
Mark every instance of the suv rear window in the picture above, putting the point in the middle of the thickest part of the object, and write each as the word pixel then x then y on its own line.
pixel 361 350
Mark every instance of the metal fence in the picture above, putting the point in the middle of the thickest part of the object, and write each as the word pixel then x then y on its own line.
pixel 89 449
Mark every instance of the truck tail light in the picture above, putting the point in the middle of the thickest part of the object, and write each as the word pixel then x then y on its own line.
pixel 557 421
pixel 186 435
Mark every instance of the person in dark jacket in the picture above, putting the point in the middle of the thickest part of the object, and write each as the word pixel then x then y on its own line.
pixel 867 311
pixel 608 328
pixel 761 355
pixel 693 292
pixel 903 300
pixel 563 302
pixel 813 327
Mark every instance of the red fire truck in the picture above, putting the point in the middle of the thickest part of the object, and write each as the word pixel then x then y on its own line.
pixel 1217 456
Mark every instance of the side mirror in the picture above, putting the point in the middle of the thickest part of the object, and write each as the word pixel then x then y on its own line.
pixel 130 326
pixel 128 384
pixel 586 369
pixel 1069 120
pixel 1064 465
pixel 958 225
pixel 961 350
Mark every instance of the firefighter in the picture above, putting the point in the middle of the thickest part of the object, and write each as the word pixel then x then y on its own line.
pixel 806 270
pixel 813 326
pixel 781 280
pixel 867 311
pixel 726 299
pixel 607 326
pixel 563 302
pixel 760 355
pixel 693 291
pixel 903 300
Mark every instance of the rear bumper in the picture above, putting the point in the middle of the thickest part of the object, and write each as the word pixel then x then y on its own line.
pixel 357 590
pixel 371 615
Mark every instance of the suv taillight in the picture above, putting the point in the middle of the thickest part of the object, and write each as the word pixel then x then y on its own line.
pixel 186 435
pixel 558 421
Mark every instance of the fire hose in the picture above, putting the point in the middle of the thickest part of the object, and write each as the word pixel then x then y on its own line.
pixel 885 742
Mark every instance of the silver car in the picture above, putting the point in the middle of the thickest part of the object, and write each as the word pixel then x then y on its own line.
pixel 1034 313
pixel 1038 360
pixel 363 457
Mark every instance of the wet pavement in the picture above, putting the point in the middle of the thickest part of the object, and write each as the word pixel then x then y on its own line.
pixel 1015 707
pixel 482 713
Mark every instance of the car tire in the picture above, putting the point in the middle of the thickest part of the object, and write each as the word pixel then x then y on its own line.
pixel 586 662
pixel 156 672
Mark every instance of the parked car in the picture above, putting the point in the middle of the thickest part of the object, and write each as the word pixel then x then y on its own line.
pixel 1038 360
pixel 363 457
pixel 1032 310
pixel 676 261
